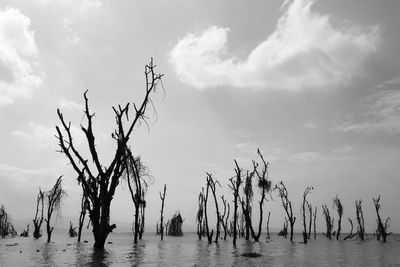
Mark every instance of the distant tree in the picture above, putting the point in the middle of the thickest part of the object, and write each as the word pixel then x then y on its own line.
pixel 339 207
pixel 6 226
pixel 360 219
pixel 53 197
pixel 200 215
pixel 315 222
pixel 38 220
pixel 310 214
pixel 382 229
pixel 175 225
pixel 287 205
pixel 236 181
pixel 99 181
pixel 138 178
pixel 25 232
pixel 328 221
pixel 268 234
pixel 350 235
pixel 225 216
pixel 284 231
pixel 72 230
pixel 162 197
pixel 303 212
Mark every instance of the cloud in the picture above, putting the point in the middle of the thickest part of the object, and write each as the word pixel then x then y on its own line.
pixel 70 105
pixel 18 57
pixel 380 116
pixel 305 51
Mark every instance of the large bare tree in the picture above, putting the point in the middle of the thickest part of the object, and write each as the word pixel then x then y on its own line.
pixel 98 180
pixel 53 198
pixel 305 205
pixel 287 205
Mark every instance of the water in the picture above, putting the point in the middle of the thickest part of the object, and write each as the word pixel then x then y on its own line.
pixel 188 251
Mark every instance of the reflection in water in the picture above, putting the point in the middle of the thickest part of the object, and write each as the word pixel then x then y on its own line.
pixel 136 255
pixel 48 250
pixel 90 256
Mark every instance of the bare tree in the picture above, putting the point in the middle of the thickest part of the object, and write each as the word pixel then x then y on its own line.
pixel 200 215
pixel 138 178
pixel 350 235
pixel 328 220
pixel 309 206
pixel 82 215
pixel 162 197
pixel 54 197
pixel 38 220
pixel 247 203
pixel 287 205
pixel 6 226
pixel 315 222
pixel 211 183
pixel 268 234
pixel 382 229
pixel 99 181
pixel 224 217
pixel 236 181
pixel 284 231
pixel 339 207
pixel 303 212
pixel 360 220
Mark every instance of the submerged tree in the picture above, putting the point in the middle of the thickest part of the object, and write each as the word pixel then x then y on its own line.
pixel 72 230
pixel 360 219
pixel 236 181
pixel 175 225
pixel 211 183
pixel 100 181
pixel 25 232
pixel 225 216
pixel 54 197
pixel 38 220
pixel 310 212
pixel 382 229
pixel 315 222
pixel 6 226
pixel 247 203
pixel 350 235
pixel 268 234
pixel 200 215
pixel 339 207
pixel 303 212
pixel 162 197
pixel 284 231
pixel 328 221
pixel 287 205
pixel 82 215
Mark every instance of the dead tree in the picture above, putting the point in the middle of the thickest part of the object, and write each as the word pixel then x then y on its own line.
pixel 208 232
pixel 268 234
pixel 315 222
pixel 211 183
pixel 360 220
pixel 54 197
pixel 224 217
pixel 72 230
pixel 350 235
pixel 38 220
pixel 200 215
pixel 6 227
pixel 82 215
pixel 162 197
pixel 138 178
pixel 99 181
pixel 328 221
pixel 303 212
pixel 236 181
pixel 246 202
pixel 339 207
pixel 287 205
pixel 382 229
pixel 284 231
pixel 309 206
pixel 25 232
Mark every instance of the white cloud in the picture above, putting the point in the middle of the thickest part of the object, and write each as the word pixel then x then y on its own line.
pixel 70 105
pixel 304 51
pixel 381 115
pixel 18 57
pixel 72 36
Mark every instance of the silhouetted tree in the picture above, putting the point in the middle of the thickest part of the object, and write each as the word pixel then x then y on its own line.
pixel 287 205
pixel 247 202
pixel 350 235
pixel 303 212
pixel 99 181
pixel 6 226
pixel 315 222
pixel 360 219
pixel 268 234
pixel 38 220
pixel 54 197
pixel 339 207
pixel 211 183
pixel 72 230
pixel 284 231
pixel 175 225
pixel 382 229
pixel 25 232
pixel 328 221
pixel 224 217
pixel 82 215
pixel 309 206
pixel 138 178
pixel 162 197
pixel 200 215
pixel 236 181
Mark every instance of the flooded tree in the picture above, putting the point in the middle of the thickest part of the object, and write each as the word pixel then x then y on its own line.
pixel 38 220
pixel 25 232
pixel 225 216
pixel 236 181
pixel 82 215
pixel 246 202
pixel 382 229
pixel 6 227
pixel 268 233
pixel 339 207
pixel 53 197
pixel 200 215
pixel 72 230
pixel 350 235
pixel 360 219
pixel 161 227
pixel 284 231
pixel 328 221
pixel 211 183
pixel 315 222
pixel 99 181
pixel 287 205
pixel 138 178
pixel 303 212
pixel 175 225
pixel 310 214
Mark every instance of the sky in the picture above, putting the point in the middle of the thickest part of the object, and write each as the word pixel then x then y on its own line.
pixel 314 84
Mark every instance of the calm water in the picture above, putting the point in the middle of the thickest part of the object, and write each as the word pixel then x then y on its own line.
pixel 188 251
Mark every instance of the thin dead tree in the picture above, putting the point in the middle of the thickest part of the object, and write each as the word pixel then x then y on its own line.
pixel 100 181
pixel 54 198
pixel 307 191
pixel 350 235
pixel 328 221
pixel 211 183
pixel 268 233
pixel 309 207
pixel 315 222
pixel 339 207
pixel 38 220
pixel 236 181
pixel 82 215
pixel 287 205
pixel 225 216
pixel 162 197
pixel 382 229
pixel 246 202
pixel 360 220
pixel 284 231
pixel 138 179
pixel 200 215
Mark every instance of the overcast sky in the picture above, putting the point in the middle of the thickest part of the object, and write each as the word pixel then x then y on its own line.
pixel 314 85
